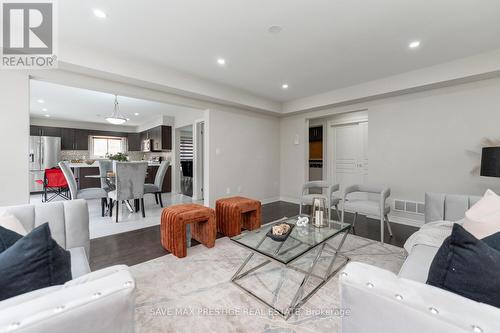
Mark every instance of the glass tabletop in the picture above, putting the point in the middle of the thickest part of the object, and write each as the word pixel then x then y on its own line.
pixel 301 239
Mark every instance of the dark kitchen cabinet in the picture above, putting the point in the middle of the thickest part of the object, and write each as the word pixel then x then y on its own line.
pixel 45 131
pixel 316 134
pixel 161 137
pixel 166 138
pixel 74 139
pixel 35 130
pixel 67 138
pixel 81 139
pixel 167 181
pixel 134 141
pixel 85 182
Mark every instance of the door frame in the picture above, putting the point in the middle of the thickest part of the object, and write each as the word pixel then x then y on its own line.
pixel 330 137
pixel 199 159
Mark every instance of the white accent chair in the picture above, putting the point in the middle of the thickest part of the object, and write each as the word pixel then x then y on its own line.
pixel 377 208
pixel 306 198
pixel 87 193
pixel 101 301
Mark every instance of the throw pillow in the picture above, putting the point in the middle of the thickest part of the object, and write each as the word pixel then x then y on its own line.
pixel 483 219
pixel 8 238
pixel 493 241
pixel 12 223
pixel 467 266
pixel 35 261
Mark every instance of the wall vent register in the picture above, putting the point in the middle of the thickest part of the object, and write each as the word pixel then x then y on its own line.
pixel 409 206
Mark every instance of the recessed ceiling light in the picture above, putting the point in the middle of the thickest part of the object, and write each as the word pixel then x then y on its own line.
pixel 136 114
pixel 99 13
pixel 44 109
pixel 221 61
pixel 47 115
pixel 284 86
pixel 274 29
pixel 414 44
pixel 41 101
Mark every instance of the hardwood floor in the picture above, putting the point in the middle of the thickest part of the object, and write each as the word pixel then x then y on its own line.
pixel 133 247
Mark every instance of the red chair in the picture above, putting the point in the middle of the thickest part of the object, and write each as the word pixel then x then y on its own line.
pixel 54 183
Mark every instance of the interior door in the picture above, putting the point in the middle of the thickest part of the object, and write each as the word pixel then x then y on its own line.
pixel 350 158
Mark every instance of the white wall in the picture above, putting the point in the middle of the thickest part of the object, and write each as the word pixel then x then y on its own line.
pixel 14 134
pixel 244 155
pixel 418 142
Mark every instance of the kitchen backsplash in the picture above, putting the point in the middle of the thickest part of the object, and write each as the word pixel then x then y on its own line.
pixel 68 155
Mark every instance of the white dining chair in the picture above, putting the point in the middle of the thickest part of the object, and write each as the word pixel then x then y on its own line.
pixel 129 184
pixel 87 193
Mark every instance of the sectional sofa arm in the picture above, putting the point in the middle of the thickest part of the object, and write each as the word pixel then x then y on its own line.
pixel 102 301
pixel 377 300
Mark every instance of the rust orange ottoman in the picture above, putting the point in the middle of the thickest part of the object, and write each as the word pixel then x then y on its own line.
pixel 235 213
pixel 173 227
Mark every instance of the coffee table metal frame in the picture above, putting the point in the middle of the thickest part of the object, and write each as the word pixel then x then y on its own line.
pixel 297 300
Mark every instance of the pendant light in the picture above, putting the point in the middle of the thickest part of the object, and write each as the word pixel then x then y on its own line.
pixel 116 118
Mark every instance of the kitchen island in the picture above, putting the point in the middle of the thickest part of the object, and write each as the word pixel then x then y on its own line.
pixel 82 170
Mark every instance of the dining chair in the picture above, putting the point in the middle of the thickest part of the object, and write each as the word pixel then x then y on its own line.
pixel 306 197
pixel 105 166
pixel 87 193
pixel 156 187
pixel 371 207
pixel 129 184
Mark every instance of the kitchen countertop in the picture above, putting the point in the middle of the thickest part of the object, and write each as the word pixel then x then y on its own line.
pixel 96 165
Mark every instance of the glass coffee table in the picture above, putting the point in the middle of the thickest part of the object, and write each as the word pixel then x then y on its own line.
pixel 305 243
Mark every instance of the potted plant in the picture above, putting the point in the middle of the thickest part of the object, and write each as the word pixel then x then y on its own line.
pixel 120 157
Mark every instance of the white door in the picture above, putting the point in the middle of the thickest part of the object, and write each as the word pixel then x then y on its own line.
pixel 350 159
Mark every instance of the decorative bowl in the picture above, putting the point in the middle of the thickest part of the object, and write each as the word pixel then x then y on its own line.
pixel 280 238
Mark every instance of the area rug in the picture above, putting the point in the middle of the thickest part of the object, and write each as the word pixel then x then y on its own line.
pixel 194 294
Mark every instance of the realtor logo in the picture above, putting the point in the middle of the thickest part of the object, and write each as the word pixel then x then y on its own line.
pixel 28 34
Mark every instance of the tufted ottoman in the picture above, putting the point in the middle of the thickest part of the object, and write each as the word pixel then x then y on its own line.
pixel 235 213
pixel 174 220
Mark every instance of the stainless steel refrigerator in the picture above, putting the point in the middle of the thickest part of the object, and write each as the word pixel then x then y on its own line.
pixel 45 153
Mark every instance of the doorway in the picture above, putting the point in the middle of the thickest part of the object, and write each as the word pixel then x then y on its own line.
pixel 186 157
pixel 348 154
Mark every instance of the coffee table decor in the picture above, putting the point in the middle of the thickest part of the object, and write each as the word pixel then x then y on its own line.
pixel 308 254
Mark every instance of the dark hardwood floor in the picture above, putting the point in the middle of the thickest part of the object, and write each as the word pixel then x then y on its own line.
pixel 133 247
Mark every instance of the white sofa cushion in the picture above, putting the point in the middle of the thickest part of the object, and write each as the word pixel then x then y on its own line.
pixel 79 264
pixel 416 266
pixel 12 223
pixel 365 207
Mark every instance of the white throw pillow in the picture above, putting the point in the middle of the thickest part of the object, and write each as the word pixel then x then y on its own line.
pixel 12 223
pixel 483 219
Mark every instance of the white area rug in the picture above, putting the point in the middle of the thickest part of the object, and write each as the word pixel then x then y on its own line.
pixel 195 294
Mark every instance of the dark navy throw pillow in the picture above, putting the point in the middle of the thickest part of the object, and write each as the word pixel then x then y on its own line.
pixel 467 266
pixel 8 238
pixel 33 262
pixel 493 241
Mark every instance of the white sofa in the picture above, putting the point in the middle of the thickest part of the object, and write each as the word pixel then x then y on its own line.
pixel 380 301
pixel 101 301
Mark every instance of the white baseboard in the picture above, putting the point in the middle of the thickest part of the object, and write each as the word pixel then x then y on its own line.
pixel 405 221
pixel 269 200
pixel 290 199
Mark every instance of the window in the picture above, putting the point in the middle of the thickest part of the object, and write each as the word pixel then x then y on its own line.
pixel 101 146
pixel 186 151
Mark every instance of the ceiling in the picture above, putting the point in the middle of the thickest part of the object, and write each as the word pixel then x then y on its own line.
pixel 324 44
pixel 82 105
